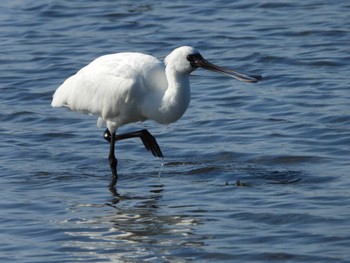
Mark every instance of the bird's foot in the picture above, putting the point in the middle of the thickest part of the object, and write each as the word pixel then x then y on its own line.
pixel 150 143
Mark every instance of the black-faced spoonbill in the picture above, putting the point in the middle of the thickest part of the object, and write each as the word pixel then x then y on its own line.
pixel 129 87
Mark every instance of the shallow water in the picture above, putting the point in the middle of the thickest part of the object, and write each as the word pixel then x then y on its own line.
pixel 252 172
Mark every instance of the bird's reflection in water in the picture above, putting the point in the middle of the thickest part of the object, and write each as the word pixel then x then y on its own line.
pixel 138 223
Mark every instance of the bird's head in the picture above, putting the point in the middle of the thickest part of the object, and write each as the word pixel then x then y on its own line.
pixel 186 59
pixel 177 59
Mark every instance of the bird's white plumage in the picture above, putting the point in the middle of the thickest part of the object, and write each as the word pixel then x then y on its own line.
pixel 128 87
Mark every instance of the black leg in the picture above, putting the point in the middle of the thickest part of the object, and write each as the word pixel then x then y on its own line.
pixel 107 135
pixel 147 139
pixel 112 160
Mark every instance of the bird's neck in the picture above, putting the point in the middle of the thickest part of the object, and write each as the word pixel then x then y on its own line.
pixel 177 96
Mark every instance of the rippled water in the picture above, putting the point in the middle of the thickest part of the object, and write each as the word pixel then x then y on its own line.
pixel 254 173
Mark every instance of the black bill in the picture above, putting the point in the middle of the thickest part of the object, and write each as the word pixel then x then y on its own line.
pixel 199 61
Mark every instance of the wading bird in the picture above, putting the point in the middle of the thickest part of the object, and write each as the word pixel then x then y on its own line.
pixel 129 87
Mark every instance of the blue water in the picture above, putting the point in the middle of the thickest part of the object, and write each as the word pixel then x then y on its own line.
pixel 252 172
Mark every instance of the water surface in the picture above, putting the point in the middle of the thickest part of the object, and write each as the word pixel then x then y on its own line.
pixel 252 172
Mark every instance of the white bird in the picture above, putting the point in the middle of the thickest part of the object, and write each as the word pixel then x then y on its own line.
pixel 128 87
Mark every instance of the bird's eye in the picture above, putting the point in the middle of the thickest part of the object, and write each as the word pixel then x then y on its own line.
pixel 190 58
pixel 193 58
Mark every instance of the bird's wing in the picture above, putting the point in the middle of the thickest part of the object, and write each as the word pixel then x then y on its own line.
pixel 92 90
pixel 106 85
